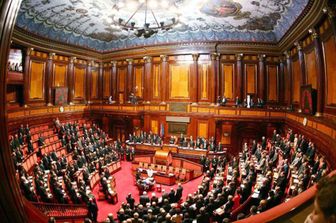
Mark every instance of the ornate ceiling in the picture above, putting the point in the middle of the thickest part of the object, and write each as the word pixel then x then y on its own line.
pixel 89 23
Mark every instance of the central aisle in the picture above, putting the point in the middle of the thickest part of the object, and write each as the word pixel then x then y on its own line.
pixel 125 185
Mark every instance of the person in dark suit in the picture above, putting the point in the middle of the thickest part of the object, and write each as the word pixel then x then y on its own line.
pixel 144 198
pixel 93 210
pixel 164 196
pixel 282 181
pixel 263 191
pixel 30 147
pixel 40 141
pixel 179 192
pixel 172 196
pixel 110 218
pixel 203 216
pixel 154 198
pixel 270 200
pixel 122 216
pixel 130 200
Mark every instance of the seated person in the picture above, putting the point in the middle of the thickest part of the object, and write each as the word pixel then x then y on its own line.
pixel 146 184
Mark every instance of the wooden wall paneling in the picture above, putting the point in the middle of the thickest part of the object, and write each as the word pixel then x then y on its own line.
pixel 147 79
pixel 228 73
pixel 94 85
pixel 281 82
pixel 121 83
pixel 100 81
pixel 88 81
pixel 272 83
pixel 11 95
pixel 329 48
pixel 211 127
pixel 107 82
pixel 286 84
pixel 80 73
pixel 195 81
pixel 164 78
pixel 261 77
pixel 250 79
pixel 138 80
pixel 205 85
pixel 179 75
pixel 202 128
pixel 26 76
pixel 49 79
pixel 221 76
pixel 139 77
pixel 37 70
pixel 226 132
pixel 310 62
pixel 114 79
pixel 154 123
pixel 60 74
pixel 320 73
pixel 192 127
pixel 301 56
pixel 71 84
pixel 214 77
pixel 129 78
pixel 147 123
pixel 296 80
pixel 239 77
pixel 156 86
pixel 289 76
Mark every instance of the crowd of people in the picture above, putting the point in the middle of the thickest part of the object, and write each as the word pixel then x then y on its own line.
pixel 198 143
pixel 144 137
pixel 265 174
pixel 181 141
pixel 55 179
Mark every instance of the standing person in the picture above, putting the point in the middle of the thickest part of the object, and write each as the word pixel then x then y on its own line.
pixel 325 202
pixel 93 210
pixel 179 192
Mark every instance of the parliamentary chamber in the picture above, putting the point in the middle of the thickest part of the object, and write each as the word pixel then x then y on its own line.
pixel 171 86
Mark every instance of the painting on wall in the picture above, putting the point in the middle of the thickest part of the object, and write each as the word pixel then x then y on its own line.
pixel 308 99
pixel 15 63
pixel 177 128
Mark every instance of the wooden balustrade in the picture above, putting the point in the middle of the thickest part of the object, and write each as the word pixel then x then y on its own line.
pixel 62 211
pixel 30 161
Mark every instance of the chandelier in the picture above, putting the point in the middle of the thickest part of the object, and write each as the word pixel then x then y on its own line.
pixel 145 17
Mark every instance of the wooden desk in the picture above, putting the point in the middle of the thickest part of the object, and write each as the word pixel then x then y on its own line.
pixel 160 177
pixel 172 148
pixel 164 179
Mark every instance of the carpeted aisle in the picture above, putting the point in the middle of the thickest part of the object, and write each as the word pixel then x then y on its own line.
pixel 125 185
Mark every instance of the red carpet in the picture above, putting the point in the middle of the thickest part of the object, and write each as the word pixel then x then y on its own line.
pixel 125 185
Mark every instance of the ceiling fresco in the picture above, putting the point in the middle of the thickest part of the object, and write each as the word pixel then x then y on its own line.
pixel 92 23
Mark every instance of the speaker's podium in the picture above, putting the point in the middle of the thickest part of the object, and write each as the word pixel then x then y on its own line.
pixel 163 157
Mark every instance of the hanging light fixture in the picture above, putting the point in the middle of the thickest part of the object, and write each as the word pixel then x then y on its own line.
pixel 145 17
